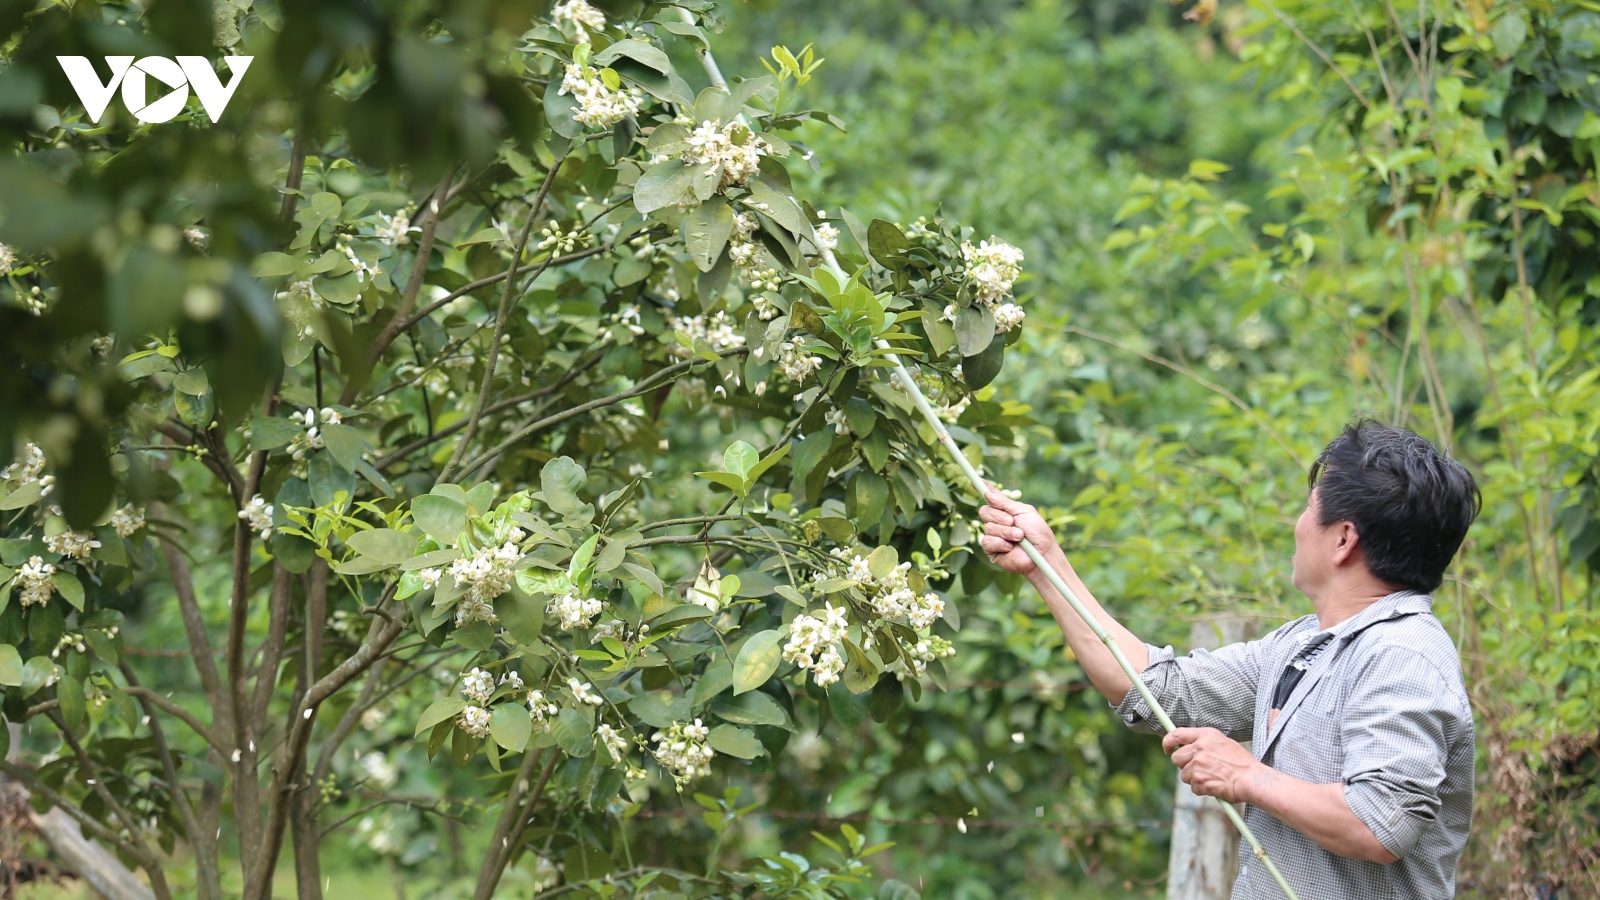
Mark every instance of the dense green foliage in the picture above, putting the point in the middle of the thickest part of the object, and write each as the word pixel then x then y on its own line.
pixel 1237 235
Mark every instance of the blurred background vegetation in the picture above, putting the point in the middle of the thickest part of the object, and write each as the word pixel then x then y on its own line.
pixel 1239 234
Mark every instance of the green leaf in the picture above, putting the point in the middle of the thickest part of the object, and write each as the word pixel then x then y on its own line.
pixel 754 708
pixel 70 588
pixel 346 445
pixel 69 693
pixel 10 666
pixel 273 264
pixel 520 615
pixel 475 636
pixel 705 232
pixel 871 493
pixel 638 51
pixel 442 710
pixel 974 329
pixel 664 184
pixel 271 432
pixel 758 659
pixel 739 458
pixel 510 726
pixel 767 462
pixel 717 678
pixel 560 110
pixel 573 732
pixel 979 370
pixel 439 517
pixel 192 381
pixel 781 208
pixel 194 410
pixel 27 495
pixel 652 709
pixel 887 244
pixel 35 673
pixel 683 612
pixel 735 742
pixel 580 558
pixel 727 479
pixel 386 545
pixel 559 482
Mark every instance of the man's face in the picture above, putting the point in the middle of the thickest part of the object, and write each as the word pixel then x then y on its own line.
pixel 1312 564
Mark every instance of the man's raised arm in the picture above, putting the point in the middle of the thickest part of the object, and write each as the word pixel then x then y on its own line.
pixel 1006 523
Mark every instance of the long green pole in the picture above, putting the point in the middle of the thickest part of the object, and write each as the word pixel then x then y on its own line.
pixel 1056 581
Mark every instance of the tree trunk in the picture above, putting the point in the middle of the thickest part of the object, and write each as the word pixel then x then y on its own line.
pixel 1204 861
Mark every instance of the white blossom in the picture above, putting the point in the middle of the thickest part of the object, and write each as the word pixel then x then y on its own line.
pixel 127 520
pixel 8 259
pixel 72 544
pixel 257 514
pixel 429 578
pixel 473 610
pixel 836 418
pixel 720 332
pixel 993 267
pixel 546 875
pixel 478 685
pixel 598 105
pixel 394 230
pixel 1007 316
pixel 29 469
pixel 614 741
pixel 511 679
pixel 575 611
pixel 795 362
pixel 733 148
pixel 541 710
pixel 380 771
pixel 584 692
pixel 104 344
pixel 581 14
pixel 475 721
pixel 487 573
pixel 827 236
pixel 814 644
pixel 683 750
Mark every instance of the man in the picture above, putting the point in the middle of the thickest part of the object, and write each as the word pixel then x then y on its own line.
pixel 1359 776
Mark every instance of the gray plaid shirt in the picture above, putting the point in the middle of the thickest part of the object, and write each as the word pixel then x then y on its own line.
pixel 1383 710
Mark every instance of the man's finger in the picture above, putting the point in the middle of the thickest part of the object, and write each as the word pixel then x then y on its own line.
pixel 990 514
pixel 1184 755
pixel 1007 532
pixel 1181 736
pixel 1002 502
pixel 996 545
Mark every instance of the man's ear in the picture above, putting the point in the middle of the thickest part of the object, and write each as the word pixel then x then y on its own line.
pixel 1348 545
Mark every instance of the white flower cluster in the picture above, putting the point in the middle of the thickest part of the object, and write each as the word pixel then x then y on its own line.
pixel 814 644
pixel 683 750
pixel 614 741
pixel 836 418
pixel 626 318
pixel 311 438
pixel 560 242
pixel 719 332
pixel 598 106
pixel 542 710
pixel 394 230
pixel 127 520
pixel 894 597
pixel 29 470
pixel 72 544
pixel 486 575
pixel 993 267
pixel 584 692
pixel 104 344
pixel 478 685
pixel 765 309
pixel 733 148
pixel 795 362
pixel 8 259
pixel 580 14
pixel 750 258
pixel 361 266
pixel 258 515
pixel 546 873
pixel 475 721
pixel 925 651
pixel 827 237
pixel 70 640
pixel 575 611
pixel 380 771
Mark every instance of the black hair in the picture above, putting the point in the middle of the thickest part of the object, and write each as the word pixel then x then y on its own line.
pixel 1410 503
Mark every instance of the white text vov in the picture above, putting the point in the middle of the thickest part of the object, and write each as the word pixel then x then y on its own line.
pixel 187 72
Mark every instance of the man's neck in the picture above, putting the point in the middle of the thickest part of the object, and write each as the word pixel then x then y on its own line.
pixel 1345 602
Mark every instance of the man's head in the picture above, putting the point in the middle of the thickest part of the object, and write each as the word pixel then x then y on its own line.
pixel 1384 500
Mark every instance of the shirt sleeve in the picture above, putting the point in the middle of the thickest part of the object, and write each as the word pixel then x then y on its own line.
pixel 1399 724
pixel 1206 689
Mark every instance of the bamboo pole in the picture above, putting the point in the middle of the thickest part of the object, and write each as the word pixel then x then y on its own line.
pixel 978 484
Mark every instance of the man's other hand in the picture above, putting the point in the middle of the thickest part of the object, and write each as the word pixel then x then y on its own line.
pixel 1212 763
pixel 1005 523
